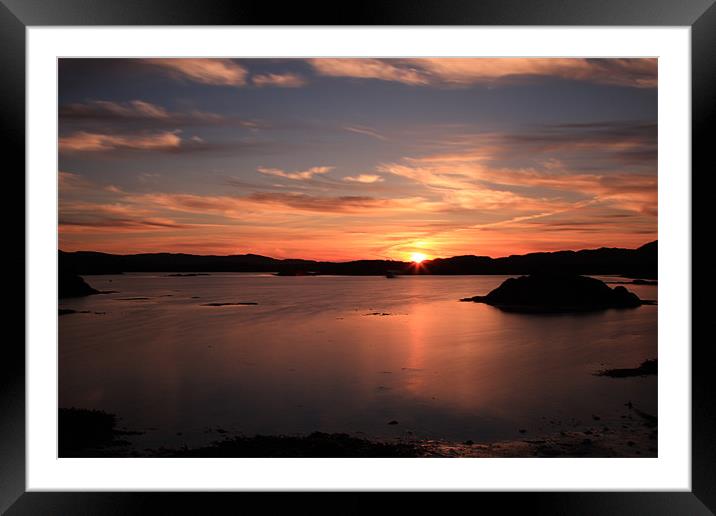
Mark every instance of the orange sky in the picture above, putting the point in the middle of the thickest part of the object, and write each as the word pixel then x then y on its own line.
pixel 347 159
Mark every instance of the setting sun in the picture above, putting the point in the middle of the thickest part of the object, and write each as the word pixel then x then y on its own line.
pixel 417 257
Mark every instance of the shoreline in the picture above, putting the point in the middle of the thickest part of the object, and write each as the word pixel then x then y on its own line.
pixel 636 435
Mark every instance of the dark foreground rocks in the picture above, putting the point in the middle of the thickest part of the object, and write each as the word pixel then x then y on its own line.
pixel 550 293
pixel 94 433
pixel 72 285
pixel 88 433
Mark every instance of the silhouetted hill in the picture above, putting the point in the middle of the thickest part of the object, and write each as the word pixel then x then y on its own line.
pixel 71 285
pixel 635 263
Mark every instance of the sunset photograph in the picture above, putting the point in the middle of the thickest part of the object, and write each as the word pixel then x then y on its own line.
pixel 357 257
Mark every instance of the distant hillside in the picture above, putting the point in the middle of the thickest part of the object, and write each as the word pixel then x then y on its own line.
pixel 636 263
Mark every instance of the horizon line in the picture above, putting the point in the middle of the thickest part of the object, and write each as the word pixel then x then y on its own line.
pixel 363 259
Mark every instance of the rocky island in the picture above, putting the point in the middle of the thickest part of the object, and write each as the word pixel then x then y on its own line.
pixel 554 293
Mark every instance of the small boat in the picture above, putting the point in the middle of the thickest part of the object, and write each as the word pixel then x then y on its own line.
pixel 391 274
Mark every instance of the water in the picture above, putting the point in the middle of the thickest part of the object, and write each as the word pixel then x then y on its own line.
pixel 312 356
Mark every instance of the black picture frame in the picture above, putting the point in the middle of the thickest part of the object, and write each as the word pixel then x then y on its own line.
pixel 17 15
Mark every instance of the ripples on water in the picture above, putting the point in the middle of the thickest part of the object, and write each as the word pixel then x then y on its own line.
pixel 343 354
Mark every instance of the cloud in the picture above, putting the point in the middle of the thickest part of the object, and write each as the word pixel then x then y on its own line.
pixel 342 204
pixel 382 69
pixel 218 72
pixel 135 111
pixel 68 181
pixel 285 80
pixel 631 141
pixel 635 192
pixel 477 178
pixel 218 204
pixel 315 226
pixel 262 202
pixel 95 142
pixel 105 108
pixel 594 147
pixel 297 175
pixel 158 141
pixel 224 72
pixel 365 130
pixel 541 171
pixel 639 73
pixel 364 178
pixel 88 216
pixel 127 224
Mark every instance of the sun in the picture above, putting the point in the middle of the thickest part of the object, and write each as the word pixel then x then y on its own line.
pixel 417 257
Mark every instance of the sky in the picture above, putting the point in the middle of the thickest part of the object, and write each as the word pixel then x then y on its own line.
pixel 347 158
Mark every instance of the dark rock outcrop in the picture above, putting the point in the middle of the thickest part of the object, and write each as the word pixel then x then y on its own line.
pixel 81 430
pixel 69 311
pixel 648 367
pixel 557 293
pixel 72 285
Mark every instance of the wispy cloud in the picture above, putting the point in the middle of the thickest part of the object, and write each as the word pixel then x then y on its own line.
pixel 80 216
pixel 135 111
pixel 225 72
pixel 94 142
pixel 263 205
pixel 102 224
pixel 317 226
pixel 365 130
pixel 627 142
pixel 158 141
pixel 529 169
pixel 341 204
pixel 138 109
pixel 364 178
pixel 298 175
pixel 634 192
pixel 68 181
pixel 607 146
pixel 217 72
pixel 383 69
pixel 639 73
pixel 282 80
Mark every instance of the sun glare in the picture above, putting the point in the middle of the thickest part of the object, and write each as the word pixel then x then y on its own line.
pixel 417 257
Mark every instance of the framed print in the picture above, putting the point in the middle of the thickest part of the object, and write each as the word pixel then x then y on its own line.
pixel 417 249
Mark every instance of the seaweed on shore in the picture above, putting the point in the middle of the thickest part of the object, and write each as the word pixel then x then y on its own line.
pixel 93 433
pixel 316 444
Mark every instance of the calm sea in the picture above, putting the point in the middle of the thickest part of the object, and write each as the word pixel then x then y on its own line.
pixel 343 354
